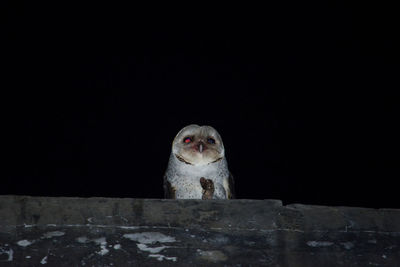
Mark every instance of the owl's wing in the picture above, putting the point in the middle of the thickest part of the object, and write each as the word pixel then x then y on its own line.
pixel 231 192
pixel 169 190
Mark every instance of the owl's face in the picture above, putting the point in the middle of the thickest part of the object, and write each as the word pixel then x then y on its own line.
pixel 198 145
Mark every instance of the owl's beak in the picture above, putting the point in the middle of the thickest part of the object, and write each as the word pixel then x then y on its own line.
pixel 201 147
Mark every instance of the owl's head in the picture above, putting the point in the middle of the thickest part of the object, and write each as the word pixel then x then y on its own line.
pixel 198 145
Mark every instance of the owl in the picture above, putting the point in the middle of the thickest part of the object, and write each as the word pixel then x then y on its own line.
pixel 197 167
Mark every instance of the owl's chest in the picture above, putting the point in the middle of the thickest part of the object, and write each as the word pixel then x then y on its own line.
pixel 189 187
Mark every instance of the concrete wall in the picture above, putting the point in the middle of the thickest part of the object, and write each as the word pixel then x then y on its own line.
pixel 60 231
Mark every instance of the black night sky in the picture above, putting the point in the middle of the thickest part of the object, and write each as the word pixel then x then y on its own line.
pixel 303 96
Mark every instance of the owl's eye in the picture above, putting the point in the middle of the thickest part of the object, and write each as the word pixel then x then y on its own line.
pixel 211 140
pixel 187 140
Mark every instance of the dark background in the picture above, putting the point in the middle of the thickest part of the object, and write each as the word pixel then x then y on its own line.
pixel 304 97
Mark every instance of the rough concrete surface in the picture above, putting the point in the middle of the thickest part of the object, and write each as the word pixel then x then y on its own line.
pixel 61 231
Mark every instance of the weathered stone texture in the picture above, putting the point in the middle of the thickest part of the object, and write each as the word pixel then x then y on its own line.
pixel 60 231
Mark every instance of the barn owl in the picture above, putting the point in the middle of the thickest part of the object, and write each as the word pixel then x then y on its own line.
pixel 197 167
